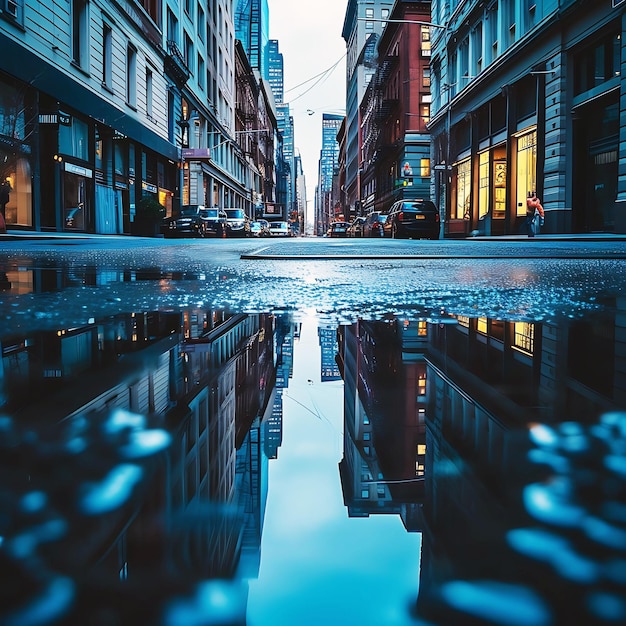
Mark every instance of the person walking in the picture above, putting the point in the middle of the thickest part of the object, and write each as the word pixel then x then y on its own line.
pixel 534 214
pixel 5 189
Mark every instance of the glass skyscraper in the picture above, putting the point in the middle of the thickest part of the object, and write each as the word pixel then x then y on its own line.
pixel 252 25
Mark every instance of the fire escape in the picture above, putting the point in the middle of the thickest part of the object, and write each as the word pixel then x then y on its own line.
pixel 175 65
pixel 387 144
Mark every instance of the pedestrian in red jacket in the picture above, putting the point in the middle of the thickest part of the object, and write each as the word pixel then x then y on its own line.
pixel 534 214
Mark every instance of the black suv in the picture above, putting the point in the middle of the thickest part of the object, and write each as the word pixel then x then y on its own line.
pixel 412 219
pixel 187 223
pixel 213 220
pixel 195 220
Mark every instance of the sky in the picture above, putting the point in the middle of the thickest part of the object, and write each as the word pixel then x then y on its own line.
pixel 309 38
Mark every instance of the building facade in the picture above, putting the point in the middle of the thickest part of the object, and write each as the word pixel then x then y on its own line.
pixel 327 208
pixel 528 97
pixel 114 103
pixel 363 22
pixel 252 29
pixel 395 142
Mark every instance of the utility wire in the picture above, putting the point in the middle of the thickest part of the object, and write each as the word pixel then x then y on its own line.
pixel 320 77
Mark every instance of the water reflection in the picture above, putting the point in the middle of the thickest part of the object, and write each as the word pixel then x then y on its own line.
pixel 136 452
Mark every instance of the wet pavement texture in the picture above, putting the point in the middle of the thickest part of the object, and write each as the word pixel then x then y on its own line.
pixel 305 432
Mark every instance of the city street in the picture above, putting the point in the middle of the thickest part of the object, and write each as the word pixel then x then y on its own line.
pixel 341 278
pixel 259 432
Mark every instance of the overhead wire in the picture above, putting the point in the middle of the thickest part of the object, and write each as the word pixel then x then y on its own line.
pixel 318 79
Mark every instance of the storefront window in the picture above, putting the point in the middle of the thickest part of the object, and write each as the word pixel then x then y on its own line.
pixel 463 191
pixel 526 174
pixel 15 156
pixel 76 187
pixel 74 139
pixel 483 184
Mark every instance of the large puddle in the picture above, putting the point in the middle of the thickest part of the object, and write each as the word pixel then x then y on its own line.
pixel 202 465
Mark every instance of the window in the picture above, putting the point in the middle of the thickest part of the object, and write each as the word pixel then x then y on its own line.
pixel 464 61
pixel 483 183
pixel 463 190
pixel 131 76
pixel 425 41
pixel 369 13
pixel 188 53
pixel 172 27
pixel 13 9
pixel 201 72
pixel 152 8
pixel 384 13
pixel 119 157
pixel 426 77
pixel 79 32
pixel 74 139
pixel 201 24
pixel 421 384
pixel 149 86
pixel 526 169
pixel 477 49
pixel 107 56
pixel 492 26
pixel 425 167
pixel 597 64
pixel 523 336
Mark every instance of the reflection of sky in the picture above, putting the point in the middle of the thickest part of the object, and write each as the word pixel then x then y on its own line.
pixel 317 565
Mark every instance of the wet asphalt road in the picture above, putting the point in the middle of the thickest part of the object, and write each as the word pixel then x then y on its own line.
pixel 342 279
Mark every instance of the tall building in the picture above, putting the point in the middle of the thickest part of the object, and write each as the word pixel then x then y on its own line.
pixel 286 128
pixel 276 71
pixel 252 26
pixel 301 199
pixel 117 102
pixel 529 97
pixel 329 159
pixel 363 23
pixel 394 113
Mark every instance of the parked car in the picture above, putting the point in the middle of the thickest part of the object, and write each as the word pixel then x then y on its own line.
pixel 237 223
pixel 213 220
pixel 279 229
pixel 412 219
pixel 338 229
pixel 356 227
pixel 374 222
pixel 259 229
pixel 265 224
pixel 188 223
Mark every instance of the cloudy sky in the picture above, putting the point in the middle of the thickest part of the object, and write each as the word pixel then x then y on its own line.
pixel 309 37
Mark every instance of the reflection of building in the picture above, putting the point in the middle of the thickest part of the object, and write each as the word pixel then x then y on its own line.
pixel 328 346
pixel 488 381
pixel 205 377
pixel 384 415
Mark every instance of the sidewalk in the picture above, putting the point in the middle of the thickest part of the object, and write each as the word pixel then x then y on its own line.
pixel 16 235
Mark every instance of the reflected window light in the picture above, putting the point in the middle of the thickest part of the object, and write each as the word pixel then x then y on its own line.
pixel 524 337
